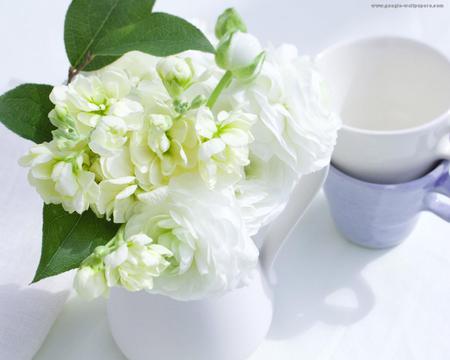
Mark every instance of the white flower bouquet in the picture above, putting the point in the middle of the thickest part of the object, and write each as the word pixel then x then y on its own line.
pixel 164 154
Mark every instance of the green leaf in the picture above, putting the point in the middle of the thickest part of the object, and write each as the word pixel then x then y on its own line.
pixel 100 61
pixel 24 110
pixel 158 34
pixel 89 20
pixel 68 239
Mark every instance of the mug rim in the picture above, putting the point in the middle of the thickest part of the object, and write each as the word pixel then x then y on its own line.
pixel 405 39
pixel 436 172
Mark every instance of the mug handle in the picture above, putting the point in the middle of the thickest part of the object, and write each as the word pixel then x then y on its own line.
pixel 303 194
pixel 438 200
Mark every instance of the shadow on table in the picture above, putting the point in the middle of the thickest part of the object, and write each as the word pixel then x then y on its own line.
pixel 316 263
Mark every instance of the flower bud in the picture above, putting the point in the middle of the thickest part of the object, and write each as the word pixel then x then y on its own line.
pixel 242 54
pixel 181 106
pixel 198 101
pixel 228 22
pixel 90 283
pixel 66 130
pixel 176 74
pixel 250 72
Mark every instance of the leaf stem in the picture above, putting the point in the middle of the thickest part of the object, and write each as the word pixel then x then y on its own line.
pixel 222 85
pixel 73 71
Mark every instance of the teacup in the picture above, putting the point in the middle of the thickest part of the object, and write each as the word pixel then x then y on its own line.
pixel 382 215
pixel 393 95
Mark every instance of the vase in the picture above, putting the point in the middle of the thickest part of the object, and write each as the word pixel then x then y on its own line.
pixel 227 327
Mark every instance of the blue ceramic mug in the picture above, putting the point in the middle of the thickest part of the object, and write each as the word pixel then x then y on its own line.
pixel 381 216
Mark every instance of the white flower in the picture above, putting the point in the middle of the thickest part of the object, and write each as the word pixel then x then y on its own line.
pixel 158 140
pixel 207 74
pixel 205 124
pixel 222 158
pixel 137 65
pixel 147 87
pixel 190 185
pixel 135 263
pixel 212 252
pixel 176 74
pixel 90 283
pixel 264 192
pixel 114 167
pixel 116 198
pixel 164 147
pixel 89 97
pixel 294 135
pixel 61 178
pixel 295 121
pixel 109 136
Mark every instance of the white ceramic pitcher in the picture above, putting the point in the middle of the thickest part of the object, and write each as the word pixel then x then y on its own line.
pixel 229 327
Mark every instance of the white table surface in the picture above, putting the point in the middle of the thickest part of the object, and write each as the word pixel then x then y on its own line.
pixel 334 301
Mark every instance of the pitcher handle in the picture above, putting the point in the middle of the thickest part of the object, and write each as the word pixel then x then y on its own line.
pixel 438 199
pixel 299 201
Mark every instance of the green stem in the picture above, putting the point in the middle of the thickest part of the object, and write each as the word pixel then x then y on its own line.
pixel 222 85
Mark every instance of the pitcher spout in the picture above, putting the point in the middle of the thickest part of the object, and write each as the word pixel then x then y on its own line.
pixel 279 230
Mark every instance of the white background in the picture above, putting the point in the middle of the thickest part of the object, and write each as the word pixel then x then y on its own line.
pixel 334 300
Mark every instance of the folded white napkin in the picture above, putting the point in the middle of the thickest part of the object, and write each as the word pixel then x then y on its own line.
pixel 26 312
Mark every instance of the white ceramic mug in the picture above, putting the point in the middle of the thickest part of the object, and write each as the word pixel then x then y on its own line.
pixel 393 95
pixel 228 327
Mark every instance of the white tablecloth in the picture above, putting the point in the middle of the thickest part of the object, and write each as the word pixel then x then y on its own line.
pixel 334 300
